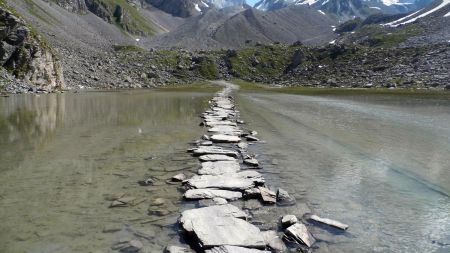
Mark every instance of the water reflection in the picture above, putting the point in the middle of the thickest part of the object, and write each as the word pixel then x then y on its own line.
pixel 64 157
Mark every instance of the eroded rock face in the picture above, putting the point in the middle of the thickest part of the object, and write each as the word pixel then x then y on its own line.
pixel 25 56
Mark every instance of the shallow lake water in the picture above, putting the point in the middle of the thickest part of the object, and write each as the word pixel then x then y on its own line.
pixel 380 164
pixel 64 157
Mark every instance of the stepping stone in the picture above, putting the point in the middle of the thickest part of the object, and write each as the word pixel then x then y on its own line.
pixel 225 138
pixel 210 211
pixel 212 193
pixel 329 222
pixel 225 130
pixel 214 150
pixel 251 138
pixel 211 158
pixel 220 182
pixel 242 145
pixel 299 233
pixel 234 249
pixel 267 195
pixel 179 177
pixel 213 231
pixel 219 168
pixel 216 122
pixel 288 220
pixel 251 162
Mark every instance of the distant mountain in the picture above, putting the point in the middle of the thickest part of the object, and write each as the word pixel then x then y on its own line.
pixel 238 27
pixel 347 9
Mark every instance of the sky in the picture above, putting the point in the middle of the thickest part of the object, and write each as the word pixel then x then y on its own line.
pixel 252 2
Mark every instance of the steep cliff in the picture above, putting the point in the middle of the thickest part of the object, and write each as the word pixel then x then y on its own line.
pixel 26 57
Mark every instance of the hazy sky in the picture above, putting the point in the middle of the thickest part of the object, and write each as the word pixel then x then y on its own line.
pixel 252 2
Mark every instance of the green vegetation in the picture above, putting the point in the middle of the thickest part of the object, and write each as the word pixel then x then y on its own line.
pixel 40 13
pixel 349 26
pixel 265 61
pixel 128 48
pixel 193 87
pixel 208 69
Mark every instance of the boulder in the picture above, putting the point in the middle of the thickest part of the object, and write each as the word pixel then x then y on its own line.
pixel 212 193
pixel 252 162
pixel 329 222
pixel 251 138
pixel 300 234
pixel 179 177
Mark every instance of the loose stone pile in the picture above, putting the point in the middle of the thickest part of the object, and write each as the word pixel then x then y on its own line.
pixel 228 173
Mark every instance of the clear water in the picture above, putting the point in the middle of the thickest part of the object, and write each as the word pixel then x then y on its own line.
pixel 64 157
pixel 379 164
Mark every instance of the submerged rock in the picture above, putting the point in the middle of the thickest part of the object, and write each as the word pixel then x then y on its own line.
pixel 329 222
pixel 214 150
pixel 283 198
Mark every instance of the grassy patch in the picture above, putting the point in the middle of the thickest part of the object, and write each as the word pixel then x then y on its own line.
pixel 308 91
pixel 128 48
pixel 40 13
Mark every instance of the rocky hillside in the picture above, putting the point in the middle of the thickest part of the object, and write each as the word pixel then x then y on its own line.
pixel 238 27
pixel 27 62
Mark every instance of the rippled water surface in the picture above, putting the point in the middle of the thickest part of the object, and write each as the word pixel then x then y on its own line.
pixel 379 164
pixel 65 157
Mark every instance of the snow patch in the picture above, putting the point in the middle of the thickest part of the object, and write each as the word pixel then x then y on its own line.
pixel 333 42
pixel 205 4
pixel 447 15
pixel 377 8
pixel 309 2
pixel 407 21
pixel 321 12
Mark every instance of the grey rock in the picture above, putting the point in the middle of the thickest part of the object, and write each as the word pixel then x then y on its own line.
pixel 300 234
pixel 178 249
pixel 251 162
pixel 225 138
pixel 227 210
pixel 179 177
pixel 288 220
pixel 283 198
pixel 219 168
pixel 210 158
pixel 220 201
pixel 329 222
pixel 251 138
pixel 211 194
pixel 273 240
pixel 234 249
pixel 267 195
pixel 220 182
pixel 214 150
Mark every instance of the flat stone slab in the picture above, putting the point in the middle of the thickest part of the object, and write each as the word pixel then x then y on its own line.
pixel 329 222
pixel 213 231
pixel 178 249
pixel 214 150
pixel 211 158
pixel 274 241
pixel 234 249
pixel 225 129
pixel 252 162
pixel 217 122
pixel 219 168
pixel 225 138
pixel 220 182
pixel 300 234
pixel 223 211
pixel 211 194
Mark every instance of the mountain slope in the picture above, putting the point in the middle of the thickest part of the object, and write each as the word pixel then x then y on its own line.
pixel 348 9
pixel 239 27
